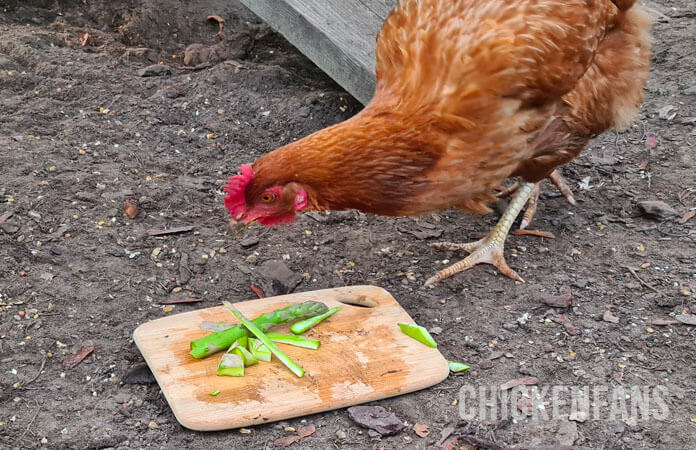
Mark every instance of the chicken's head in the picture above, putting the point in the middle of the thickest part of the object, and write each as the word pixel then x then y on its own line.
pixel 272 205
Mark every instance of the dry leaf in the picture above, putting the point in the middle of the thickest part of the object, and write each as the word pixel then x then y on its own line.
pixel 421 430
pixel 82 353
pixel 609 317
pixel 301 433
pixel 688 216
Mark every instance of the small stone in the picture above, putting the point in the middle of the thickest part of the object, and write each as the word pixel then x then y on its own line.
pixel 486 364
pixel 153 425
pixel 690 91
pixel 435 330
pixel 249 242
pixel 341 435
pixel 656 209
pixel 155 70
pixel 578 416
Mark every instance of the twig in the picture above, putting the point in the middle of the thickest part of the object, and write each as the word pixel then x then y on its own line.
pixel 647 285
pixel 38 408
pixel 38 374
pixel 538 233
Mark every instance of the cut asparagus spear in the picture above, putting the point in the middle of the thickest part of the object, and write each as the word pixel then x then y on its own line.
pixel 285 359
pixel 248 358
pixel 457 366
pixel 304 325
pixel 231 364
pixel 215 342
pixel 260 351
pixel 297 341
pixel 418 333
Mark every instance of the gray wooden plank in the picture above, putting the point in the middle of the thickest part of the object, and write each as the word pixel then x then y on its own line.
pixel 380 7
pixel 339 36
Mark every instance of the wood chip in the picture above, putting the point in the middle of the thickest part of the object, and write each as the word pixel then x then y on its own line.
pixel 664 322
pixel 685 218
pixel 6 215
pixel 176 230
pixel 526 381
pixel 542 234
pixel 421 430
pixel 609 317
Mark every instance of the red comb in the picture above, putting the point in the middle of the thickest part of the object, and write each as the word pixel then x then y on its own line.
pixel 235 202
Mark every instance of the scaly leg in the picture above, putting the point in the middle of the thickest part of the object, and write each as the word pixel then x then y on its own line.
pixel 488 250
pixel 531 209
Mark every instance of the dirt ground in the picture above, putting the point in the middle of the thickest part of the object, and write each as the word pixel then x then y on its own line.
pixel 81 131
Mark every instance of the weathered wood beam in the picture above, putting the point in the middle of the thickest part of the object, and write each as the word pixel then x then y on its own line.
pixel 339 36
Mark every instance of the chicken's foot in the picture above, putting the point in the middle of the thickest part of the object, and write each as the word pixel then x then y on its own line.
pixel 488 250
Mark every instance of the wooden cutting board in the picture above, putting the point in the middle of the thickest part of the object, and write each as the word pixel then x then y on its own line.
pixel 364 356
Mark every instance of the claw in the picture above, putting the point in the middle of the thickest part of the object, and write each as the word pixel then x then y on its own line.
pixel 488 250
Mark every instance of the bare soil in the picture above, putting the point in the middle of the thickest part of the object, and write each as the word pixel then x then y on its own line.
pixel 81 132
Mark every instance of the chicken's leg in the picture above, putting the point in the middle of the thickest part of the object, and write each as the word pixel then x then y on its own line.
pixel 556 178
pixel 488 250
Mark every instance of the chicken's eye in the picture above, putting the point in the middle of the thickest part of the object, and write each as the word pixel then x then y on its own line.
pixel 268 197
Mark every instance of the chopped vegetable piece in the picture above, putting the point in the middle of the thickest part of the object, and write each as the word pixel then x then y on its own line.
pixel 285 359
pixel 418 333
pixel 457 366
pixel 260 351
pixel 304 325
pixel 231 365
pixel 248 358
pixel 215 342
pixel 214 393
pixel 297 341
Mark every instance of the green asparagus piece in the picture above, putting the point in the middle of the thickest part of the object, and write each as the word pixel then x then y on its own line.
pixel 215 342
pixel 418 333
pixel 285 359
pixel 297 341
pixel 247 357
pixel 455 366
pixel 260 351
pixel 304 325
pixel 231 364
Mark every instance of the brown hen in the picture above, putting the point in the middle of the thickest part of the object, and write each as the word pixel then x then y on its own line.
pixel 469 93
